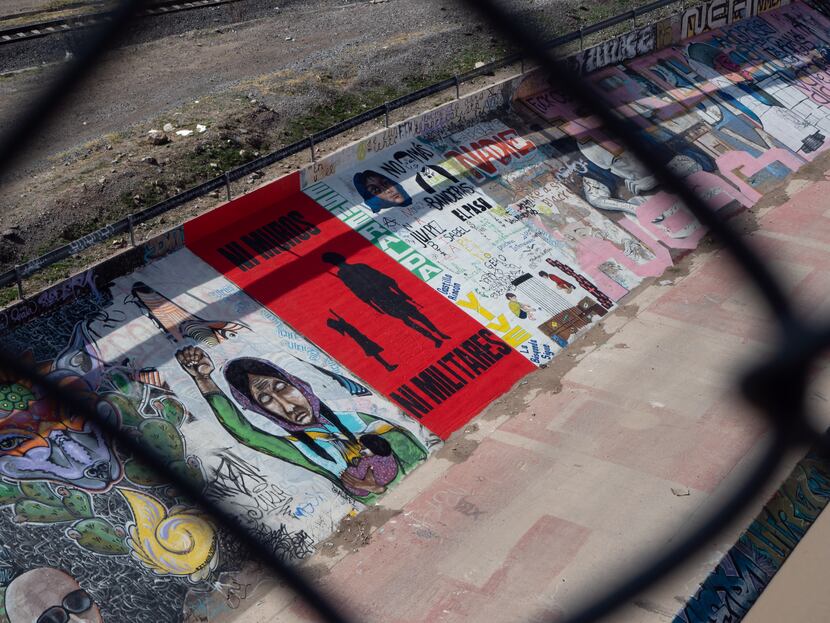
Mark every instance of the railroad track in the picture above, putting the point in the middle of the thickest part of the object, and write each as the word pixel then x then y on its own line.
pixel 57 26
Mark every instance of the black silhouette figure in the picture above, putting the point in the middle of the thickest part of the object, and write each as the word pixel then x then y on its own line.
pixel 370 347
pixel 383 294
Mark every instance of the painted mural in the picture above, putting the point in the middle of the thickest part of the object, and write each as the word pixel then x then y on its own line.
pixel 536 223
pixel 346 293
pixel 236 402
pixel 719 109
pixel 494 251
pixel 716 14
pixel 347 317
pixel 747 568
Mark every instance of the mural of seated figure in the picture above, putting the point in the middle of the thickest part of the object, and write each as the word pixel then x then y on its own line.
pixel 360 453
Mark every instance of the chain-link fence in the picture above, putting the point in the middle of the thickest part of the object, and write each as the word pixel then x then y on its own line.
pixel 776 386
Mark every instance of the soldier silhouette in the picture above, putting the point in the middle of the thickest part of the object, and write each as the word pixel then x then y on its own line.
pixel 383 294
pixel 370 347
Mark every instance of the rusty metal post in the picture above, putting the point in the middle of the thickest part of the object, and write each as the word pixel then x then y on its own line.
pixel 313 153
pixel 457 88
pixel 386 113
pixel 132 229
pixel 228 184
pixel 19 280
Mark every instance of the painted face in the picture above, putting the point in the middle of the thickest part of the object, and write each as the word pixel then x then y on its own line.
pixel 628 167
pixel 42 440
pixel 383 189
pixel 49 595
pixel 280 399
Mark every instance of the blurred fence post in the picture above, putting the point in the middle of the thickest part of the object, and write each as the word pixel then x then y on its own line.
pixel 132 229
pixel 19 281
pixel 228 184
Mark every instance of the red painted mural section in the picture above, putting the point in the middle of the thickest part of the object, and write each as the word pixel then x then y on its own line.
pixel 348 297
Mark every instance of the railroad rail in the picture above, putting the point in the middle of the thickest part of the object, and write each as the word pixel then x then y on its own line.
pixel 36 30
pixel 79 4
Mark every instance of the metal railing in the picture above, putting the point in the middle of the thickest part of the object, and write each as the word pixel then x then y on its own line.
pixel 127 224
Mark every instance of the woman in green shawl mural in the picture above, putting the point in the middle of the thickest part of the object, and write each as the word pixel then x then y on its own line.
pixel 360 453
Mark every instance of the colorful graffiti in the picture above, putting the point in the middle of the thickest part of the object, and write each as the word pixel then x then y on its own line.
pixel 435 197
pixel 719 13
pixel 718 109
pixel 743 573
pixel 280 435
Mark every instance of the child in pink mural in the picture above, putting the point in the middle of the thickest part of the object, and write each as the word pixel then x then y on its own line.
pixel 560 283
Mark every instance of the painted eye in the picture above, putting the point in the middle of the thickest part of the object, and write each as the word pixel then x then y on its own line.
pixel 10 443
pixel 264 399
pixel 279 387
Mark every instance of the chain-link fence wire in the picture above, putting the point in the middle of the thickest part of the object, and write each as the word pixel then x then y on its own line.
pixel 776 387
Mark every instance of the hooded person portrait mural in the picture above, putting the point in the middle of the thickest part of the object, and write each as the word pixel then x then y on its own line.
pixel 360 453
pixel 380 192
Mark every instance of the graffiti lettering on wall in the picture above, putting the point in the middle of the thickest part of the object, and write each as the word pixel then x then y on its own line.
pixel 81 285
pixel 622 48
pixel 439 122
pixel 746 570
pixel 488 156
pixel 719 13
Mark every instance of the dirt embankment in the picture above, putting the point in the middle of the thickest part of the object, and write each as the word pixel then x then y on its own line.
pixel 254 84
pixel 13 7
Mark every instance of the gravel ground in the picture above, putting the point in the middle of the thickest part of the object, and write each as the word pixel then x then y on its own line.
pixel 247 73
pixel 351 41
pixel 13 7
pixel 10 7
